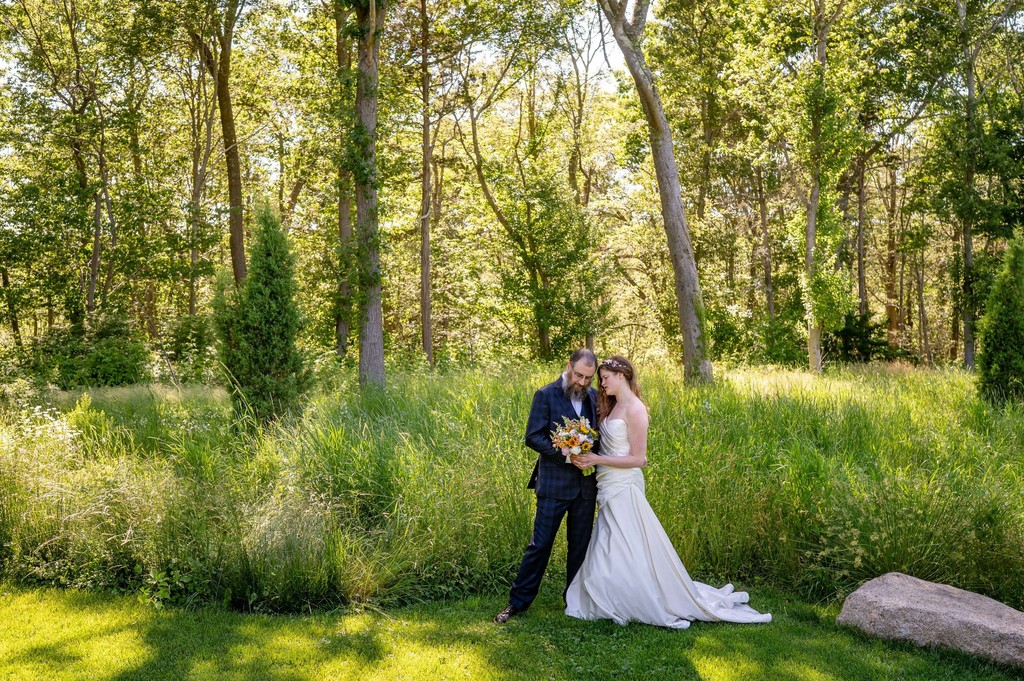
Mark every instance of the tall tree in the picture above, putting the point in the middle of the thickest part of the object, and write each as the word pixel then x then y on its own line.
pixel 342 98
pixel 198 92
pixel 822 156
pixel 213 32
pixel 629 36
pixel 443 28
pixel 370 21
pixel 976 23
pixel 425 187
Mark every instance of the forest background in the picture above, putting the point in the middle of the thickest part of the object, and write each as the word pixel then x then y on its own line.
pixel 518 212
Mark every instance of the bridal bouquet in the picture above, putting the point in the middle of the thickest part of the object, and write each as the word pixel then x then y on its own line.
pixel 577 436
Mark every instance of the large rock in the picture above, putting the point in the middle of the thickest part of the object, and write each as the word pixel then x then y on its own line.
pixel 897 606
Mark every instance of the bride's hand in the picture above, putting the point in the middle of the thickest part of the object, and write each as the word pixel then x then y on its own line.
pixel 583 461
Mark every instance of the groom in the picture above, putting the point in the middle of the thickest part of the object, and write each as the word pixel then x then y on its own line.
pixel 562 489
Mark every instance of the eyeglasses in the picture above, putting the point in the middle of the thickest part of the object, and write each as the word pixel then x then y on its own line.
pixel 582 377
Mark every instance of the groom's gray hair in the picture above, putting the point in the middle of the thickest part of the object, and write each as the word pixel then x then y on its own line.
pixel 586 355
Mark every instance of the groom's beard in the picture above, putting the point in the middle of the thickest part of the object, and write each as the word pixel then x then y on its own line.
pixel 572 390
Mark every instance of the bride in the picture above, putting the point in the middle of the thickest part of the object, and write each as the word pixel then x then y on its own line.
pixel 631 571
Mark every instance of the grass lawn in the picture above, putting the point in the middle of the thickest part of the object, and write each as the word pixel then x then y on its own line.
pixel 53 634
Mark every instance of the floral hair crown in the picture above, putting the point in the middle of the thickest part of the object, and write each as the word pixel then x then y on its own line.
pixel 613 364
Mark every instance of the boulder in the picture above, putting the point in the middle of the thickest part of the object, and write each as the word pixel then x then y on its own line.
pixel 897 606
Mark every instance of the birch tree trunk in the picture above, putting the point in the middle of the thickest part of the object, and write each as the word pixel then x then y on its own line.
pixel 810 269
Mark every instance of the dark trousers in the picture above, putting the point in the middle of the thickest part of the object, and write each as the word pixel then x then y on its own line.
pixel 579 524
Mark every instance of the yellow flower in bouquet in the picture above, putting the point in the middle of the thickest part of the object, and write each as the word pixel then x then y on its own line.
pixel 577 436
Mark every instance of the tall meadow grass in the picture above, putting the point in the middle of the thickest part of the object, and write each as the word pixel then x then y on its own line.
pixel 813 484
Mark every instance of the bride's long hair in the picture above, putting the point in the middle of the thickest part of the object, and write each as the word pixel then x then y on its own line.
pixel 619 365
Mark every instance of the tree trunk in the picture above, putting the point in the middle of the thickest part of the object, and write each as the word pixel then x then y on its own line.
pixel 891 256
pixel 427 334
pixel 766 251
pixel 820 37
pixel 954 336
pixel 97 223
pixel 967 218
pixel 288 213
pixel 202 110
pixel 690 305
pixel 810 269
pixel 342 311
pixel 901 318
pixel 231 159
pixel 922 314
pixel 811 236
pixel 371 337
pixel 862 286
pixel 12 311
pixel 219 66
pixel 754 246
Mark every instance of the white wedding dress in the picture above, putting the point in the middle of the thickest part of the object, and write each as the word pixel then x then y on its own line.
pixel 632 572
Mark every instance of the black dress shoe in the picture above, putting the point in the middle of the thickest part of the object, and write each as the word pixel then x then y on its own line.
pixel 508 613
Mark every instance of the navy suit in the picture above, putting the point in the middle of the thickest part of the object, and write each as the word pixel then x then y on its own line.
pixel 562 491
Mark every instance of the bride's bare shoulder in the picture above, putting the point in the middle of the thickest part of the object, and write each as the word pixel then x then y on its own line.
pixel 636 413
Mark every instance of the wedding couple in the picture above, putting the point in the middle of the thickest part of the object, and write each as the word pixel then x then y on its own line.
pixel 624 567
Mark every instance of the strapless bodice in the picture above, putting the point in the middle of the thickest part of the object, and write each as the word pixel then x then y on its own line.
pixel 615 442
pixel 614 438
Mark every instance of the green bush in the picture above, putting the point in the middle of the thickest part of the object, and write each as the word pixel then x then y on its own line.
pixel 756 339
pixel 258 326
pixel 114 353
pixel 106 351
pixel 1001 331
pixel 861 340
pixel 190 349
pixel 779 341
pixel 53 356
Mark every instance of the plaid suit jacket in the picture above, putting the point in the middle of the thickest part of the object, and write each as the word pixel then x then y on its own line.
pixel 552 476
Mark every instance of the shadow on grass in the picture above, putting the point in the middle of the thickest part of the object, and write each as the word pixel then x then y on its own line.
pixel 66 635
pixel 803 642
pixel 219 645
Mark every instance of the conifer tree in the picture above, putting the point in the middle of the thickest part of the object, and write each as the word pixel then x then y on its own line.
pixel 258 326
pixel 1001 356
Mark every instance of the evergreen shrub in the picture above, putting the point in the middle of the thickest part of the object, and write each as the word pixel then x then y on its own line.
pixel 862 340
pixel 258 325
pixel 1001 331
